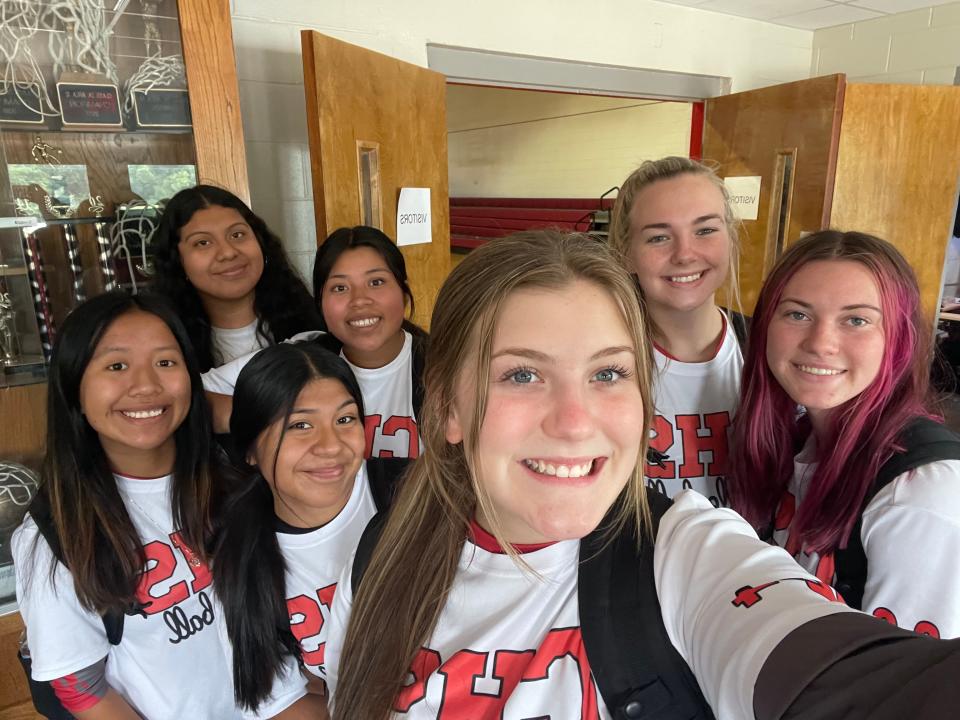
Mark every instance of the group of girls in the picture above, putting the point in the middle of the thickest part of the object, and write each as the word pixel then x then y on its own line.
pixel 530 411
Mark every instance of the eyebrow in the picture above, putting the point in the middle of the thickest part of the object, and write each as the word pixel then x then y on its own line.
pixel 368 272
pixel 121 348
pixel 309 411
pixel 667 226
pixel 543 357
pixel 859 306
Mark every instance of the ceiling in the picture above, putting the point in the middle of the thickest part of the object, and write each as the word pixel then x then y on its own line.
pixel 809 14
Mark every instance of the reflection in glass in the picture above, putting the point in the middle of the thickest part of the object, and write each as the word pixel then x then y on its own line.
pixel 155 183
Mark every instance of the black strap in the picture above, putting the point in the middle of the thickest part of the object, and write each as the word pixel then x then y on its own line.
pixel 419 354
pixel 368 541
pixel 741 328
pixel 384 476
pixel 637 669
pixel 924 441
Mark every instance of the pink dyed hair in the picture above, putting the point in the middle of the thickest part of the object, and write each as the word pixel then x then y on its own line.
pixel 862 432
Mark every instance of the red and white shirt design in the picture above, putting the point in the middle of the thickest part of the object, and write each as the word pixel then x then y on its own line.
pixel 508 644
pixel 173 661
pixel 695 403
pixel 911 536
pixel 391 423
pixel 315 561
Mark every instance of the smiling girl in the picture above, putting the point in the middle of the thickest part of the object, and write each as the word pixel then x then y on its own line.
pixel 227 276
pixel 674 230
pixel 360 286
pixel 471 603
pixel 839 331
pixel 122 619
pixel 298 423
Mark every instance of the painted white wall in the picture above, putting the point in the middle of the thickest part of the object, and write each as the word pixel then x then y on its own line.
pixel 517 143
pixel 636 33
pixel 916 47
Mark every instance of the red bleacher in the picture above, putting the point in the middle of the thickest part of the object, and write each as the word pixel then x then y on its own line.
pixel 474 221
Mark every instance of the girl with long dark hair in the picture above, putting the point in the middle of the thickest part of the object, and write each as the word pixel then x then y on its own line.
pixel 227 276
pixel 471 602
pixel 838 330
pixel 674 230
pixel 112 560
pixel 297 424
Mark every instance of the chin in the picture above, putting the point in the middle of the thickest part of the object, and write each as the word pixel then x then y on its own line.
pixel 556 526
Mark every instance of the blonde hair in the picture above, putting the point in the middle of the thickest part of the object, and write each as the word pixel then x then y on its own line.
pixel 667 168
pixel 414 563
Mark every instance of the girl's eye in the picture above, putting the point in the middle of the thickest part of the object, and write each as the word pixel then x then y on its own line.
pixel 706 231
pixel 520 376
pixel 796 315
pixel 611 374
pixel 300 425
pixel 377 282
pixel 858 321
pixel 166 363
pixel 338 288
pixel 238 234
pixel 201 243
pixel 346 420
pixel 117 366
pixel 656 239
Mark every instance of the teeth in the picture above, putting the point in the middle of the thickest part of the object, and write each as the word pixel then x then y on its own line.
pixel 364 322
pixel 143 414
pixel 562 471
pixel 818 371
pixel 686 278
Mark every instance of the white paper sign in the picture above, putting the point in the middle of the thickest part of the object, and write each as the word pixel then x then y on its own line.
pixel 413 217
pixel 744 196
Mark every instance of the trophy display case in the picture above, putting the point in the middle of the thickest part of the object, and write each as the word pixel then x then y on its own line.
pixel 107 109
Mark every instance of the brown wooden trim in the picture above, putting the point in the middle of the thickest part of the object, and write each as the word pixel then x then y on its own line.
pixel 313 132
pixel 834 151
pixel 207 38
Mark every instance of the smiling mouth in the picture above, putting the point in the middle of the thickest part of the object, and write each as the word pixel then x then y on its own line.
pixel 819 371
pixel 232 272
pixel 143 414
pixel 686 278
pixel 363 322
pixel 563 470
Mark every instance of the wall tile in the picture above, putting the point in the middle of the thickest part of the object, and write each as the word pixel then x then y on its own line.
pixel 936 47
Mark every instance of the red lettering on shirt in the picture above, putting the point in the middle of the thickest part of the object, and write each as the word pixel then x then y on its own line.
pixel 307 621
pixel 161 563
pixel 661 441
pixel 694 444
pixel 374 424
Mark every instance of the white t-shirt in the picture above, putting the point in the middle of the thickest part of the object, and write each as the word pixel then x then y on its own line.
pixel 508 644
pixel 223 379
pixel 231 343
pixel 391 423
pixel 694 405
pixel 911 537
pixel 173 662
pixel 315 561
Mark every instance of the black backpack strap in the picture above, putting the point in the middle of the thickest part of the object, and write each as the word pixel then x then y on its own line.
pixel 368 541
pixel 741 328
pixel 924 441
pixel 384 476
pixel 418 356
pixel 637 669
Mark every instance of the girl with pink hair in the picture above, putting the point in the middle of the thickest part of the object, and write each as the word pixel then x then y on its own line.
pixel 837 456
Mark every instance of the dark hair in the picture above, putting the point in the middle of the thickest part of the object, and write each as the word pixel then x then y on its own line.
pixel 344 239
pixel 862 432
pixel 282 302
pixel 100 544
pixel 249 571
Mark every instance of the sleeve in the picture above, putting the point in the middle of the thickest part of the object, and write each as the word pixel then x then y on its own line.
pixel 911 537
pixel 339 618
pixel 223 379
pixel 728 598
pixel 63 637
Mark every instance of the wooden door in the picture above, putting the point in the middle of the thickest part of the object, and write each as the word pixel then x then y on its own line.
pixel 788 136
pixel 897 171
pixel 360 104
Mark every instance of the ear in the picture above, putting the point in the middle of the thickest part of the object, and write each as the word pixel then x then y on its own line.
pixel 454 430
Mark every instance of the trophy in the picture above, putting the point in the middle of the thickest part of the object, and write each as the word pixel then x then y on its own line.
pixel 9 340
pixel 86 74
pixel 24 99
